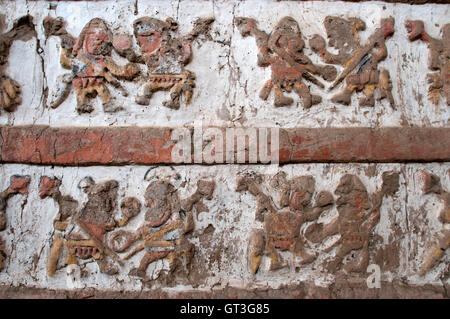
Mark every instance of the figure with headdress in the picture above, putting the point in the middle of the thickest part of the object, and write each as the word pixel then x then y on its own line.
pixel 282 50
pixel 438 61
pixel 165 55
pixel 360 62
pixel 89 58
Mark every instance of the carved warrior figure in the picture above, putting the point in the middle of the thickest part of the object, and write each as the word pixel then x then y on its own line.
pixel 358 214
pixel 439 59
pixel 282 50
pixel 362 60
pixel 81 233
pixel 10 90
pixel 89 58
pixel 165 57
pixel 18 185
pixel 282 224
pixel 442 240
pixel 168 222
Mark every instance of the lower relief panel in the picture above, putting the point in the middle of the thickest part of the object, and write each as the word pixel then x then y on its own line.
pixel 306 230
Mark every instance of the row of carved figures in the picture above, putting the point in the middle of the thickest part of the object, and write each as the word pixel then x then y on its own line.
pixel 165 55
pixel 94 230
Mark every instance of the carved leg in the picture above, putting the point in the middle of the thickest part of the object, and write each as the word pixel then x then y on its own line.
pixel 72 256
pixel 385 87
pixel 303 91
pixel 175 93
pixel 369 99
pixel 275 262
pixel 147 259
pixel 82 105
pixel 54 255
pixel 342 251
pixel 106 266
pixel 107 101
pixel 344 97
pixel 186 251
pixel 299 250
pixel 172 257
pixel 280 99
pixel 145 93
pixel 10 94
pixel 256 250
pixel 265 90
pixel 362 262
pixel 435 253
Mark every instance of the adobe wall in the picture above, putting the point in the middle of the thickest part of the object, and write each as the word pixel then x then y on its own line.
pixel 118 174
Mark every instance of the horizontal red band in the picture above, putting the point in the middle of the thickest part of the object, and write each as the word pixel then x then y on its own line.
pixel 75 146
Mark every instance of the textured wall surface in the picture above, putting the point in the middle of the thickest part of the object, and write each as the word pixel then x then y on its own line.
pixel 95 203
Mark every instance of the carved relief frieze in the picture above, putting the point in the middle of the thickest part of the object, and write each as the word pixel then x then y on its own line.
pixel 95 230
pixel 358 213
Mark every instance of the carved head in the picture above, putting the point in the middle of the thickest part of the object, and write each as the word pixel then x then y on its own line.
pixel 150 33
pixel 302 190
pixel 432 183
pixel 415 29
pixel 19 184
pixel 290 36
pixel 162 200
pixel 206 188
pixel 352 192
pixel 48 186
pixel 86 184
pixel 343 33
pixel 130 207
pixel 95 38
pixel 387 25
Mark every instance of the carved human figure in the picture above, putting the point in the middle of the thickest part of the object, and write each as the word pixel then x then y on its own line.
pixel 282 50
pixel 165 56
pixel 81 232
pixel 168 221
pixel 358 214
pixel 362 60
pixel 18 185
pixel 10 90
pixel 438 59
pixel 441 243
pixel 89 58
pixel 282 225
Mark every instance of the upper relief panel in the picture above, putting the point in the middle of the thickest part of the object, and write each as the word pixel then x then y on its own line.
pixel 253 63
